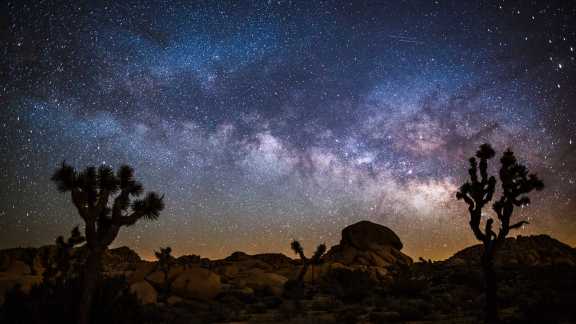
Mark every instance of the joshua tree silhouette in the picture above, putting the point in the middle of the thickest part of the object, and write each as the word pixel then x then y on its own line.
pixel 299 250
pixel 91 191
pixel 165 263
pixel 516 183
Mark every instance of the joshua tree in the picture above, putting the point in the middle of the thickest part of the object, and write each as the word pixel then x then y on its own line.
pixel 516 183
pixel 297 248
pixel 165 263
pixel 103 201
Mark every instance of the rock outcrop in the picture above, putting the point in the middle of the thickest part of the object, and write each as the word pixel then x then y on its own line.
pixel 368 244
pixel 537 250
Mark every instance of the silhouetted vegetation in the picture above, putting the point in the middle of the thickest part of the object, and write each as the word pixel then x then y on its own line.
pixel 295 288
pixel 57 302
pixel 91 192
pixel 64 267
pixel 299 250
pixel 516 183
pixel 165 263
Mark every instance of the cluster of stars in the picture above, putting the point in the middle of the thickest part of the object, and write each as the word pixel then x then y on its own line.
pixel 263 122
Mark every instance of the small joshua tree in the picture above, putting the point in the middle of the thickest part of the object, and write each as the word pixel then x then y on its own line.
pixel 165 263
pixel 516 183
pixel 294 288
pixel 103 201
pixel 299 250
pixel 62 268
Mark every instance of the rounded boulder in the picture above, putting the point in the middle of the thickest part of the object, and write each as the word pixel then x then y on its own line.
pixel 365 234
pixel 144 291
pixel 197 283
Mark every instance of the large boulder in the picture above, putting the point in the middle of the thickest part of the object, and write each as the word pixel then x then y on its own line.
pixel 364 234
pixel 197 283
pixel 144 291
pixel 368 244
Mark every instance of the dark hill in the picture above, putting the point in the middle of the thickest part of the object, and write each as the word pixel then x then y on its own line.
pixel 536 250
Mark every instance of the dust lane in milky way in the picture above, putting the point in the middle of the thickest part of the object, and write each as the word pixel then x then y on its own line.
pixel 267 121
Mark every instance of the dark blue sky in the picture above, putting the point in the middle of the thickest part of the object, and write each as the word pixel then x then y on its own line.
pixel 266 121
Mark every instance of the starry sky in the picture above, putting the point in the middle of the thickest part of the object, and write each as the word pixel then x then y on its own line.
pixel 263 121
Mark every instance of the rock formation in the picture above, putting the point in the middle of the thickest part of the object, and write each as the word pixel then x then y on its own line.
pixel 197 283
pixel 536 250
pixel 372 247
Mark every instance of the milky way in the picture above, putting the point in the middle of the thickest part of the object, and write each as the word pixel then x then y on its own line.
pixel 267 121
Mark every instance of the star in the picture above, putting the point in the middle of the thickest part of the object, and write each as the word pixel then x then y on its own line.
pixel 261 122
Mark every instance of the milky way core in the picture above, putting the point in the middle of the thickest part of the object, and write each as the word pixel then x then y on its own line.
pixel 264 121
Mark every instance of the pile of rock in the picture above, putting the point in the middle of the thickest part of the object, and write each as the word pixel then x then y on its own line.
pixel 365 246
pixel 239 275
pixel 537 250
pixel 369 247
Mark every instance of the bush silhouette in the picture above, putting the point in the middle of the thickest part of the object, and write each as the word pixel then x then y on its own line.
pixel 104 202
pixel 516 183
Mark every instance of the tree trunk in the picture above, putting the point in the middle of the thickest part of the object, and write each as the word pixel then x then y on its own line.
pixel 490 282
pixel 89 284
pixel 303 272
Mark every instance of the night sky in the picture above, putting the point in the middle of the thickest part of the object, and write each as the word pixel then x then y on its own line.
pixel 263 121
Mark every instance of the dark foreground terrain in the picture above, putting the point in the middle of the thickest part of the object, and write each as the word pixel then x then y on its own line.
pixel 364 279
